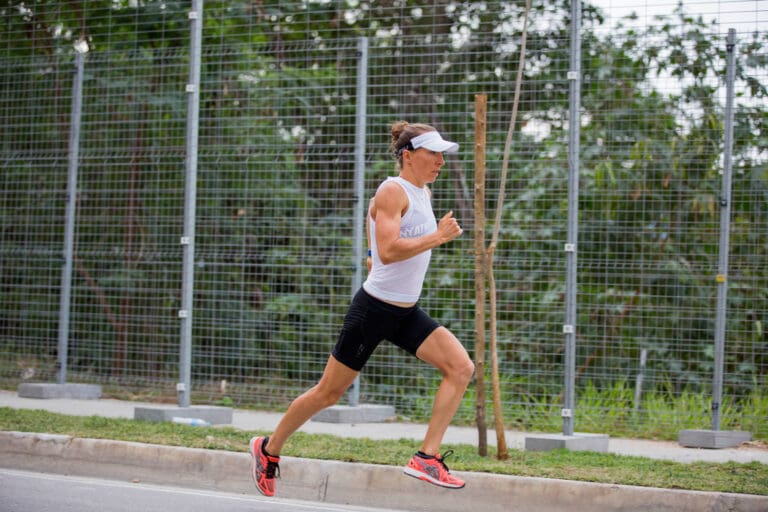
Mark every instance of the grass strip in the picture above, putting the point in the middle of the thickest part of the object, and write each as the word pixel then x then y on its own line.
pixel 751 478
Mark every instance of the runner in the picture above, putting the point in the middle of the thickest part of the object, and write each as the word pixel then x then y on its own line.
pixel 402 233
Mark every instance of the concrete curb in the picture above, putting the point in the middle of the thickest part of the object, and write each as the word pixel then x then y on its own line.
pixel 345 483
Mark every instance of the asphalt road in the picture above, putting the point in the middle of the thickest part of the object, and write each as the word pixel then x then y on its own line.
pixel 24 491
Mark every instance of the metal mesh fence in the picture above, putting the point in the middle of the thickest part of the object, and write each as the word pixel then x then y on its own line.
pixel 33 173
pixel 275 199
pixel 274 255
pixel 129 215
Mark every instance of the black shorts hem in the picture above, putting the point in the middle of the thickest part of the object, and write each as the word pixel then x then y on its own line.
pixel 349 363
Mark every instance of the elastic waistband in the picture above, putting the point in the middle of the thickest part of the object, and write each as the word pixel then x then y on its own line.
pixel 378 303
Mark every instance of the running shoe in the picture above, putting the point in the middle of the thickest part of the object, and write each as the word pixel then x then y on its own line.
pixel 433 470
pixel 263 467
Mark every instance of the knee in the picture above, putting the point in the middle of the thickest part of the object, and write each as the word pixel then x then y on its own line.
pixel 463 370
pixel 469 370
pixel 327 397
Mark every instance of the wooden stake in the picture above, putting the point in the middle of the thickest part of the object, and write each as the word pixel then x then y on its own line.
pixel 481 109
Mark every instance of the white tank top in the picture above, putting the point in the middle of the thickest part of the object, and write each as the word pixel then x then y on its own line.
pixel 402 281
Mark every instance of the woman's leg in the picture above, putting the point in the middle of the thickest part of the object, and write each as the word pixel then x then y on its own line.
pixel 335 380
pixel 445 352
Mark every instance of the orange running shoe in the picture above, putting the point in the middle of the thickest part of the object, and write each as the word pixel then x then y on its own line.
pixel 433 470
pixel 263 467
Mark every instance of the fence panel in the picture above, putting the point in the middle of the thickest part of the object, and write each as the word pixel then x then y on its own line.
pixel 130 217
pixel 34 106
pixel 275 202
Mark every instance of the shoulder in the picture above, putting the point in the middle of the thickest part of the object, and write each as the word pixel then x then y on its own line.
pixel 391 195
pixel 391 188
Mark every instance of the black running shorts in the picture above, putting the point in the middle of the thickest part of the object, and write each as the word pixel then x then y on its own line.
pixel 370 320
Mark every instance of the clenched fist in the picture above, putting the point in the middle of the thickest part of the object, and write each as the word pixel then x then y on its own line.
pixel 448 227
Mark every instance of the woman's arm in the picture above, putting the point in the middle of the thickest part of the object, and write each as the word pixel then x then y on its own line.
pixel 390 202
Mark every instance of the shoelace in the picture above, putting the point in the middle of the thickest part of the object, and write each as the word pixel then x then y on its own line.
pixel 272 469
pixel 444 456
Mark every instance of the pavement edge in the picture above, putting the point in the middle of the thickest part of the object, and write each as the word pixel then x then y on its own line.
pixel 346 483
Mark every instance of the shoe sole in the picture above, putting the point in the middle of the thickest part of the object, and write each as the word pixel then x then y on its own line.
pixel 252 451
pixel 427 478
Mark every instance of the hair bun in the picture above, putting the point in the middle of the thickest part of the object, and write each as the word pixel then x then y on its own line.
pixel 396 130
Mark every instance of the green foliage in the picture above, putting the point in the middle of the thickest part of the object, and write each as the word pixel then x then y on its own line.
pixel 273 233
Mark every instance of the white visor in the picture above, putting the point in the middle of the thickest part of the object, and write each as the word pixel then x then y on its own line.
pixel 434 142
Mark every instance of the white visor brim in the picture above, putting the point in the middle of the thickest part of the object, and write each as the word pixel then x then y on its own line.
pixel 434 142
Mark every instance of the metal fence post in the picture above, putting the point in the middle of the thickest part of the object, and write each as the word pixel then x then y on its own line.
pixel 725 217
pixel 69 223
pixel 360 206
pixel 716 438
pixel 569 328
pixel 190 198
